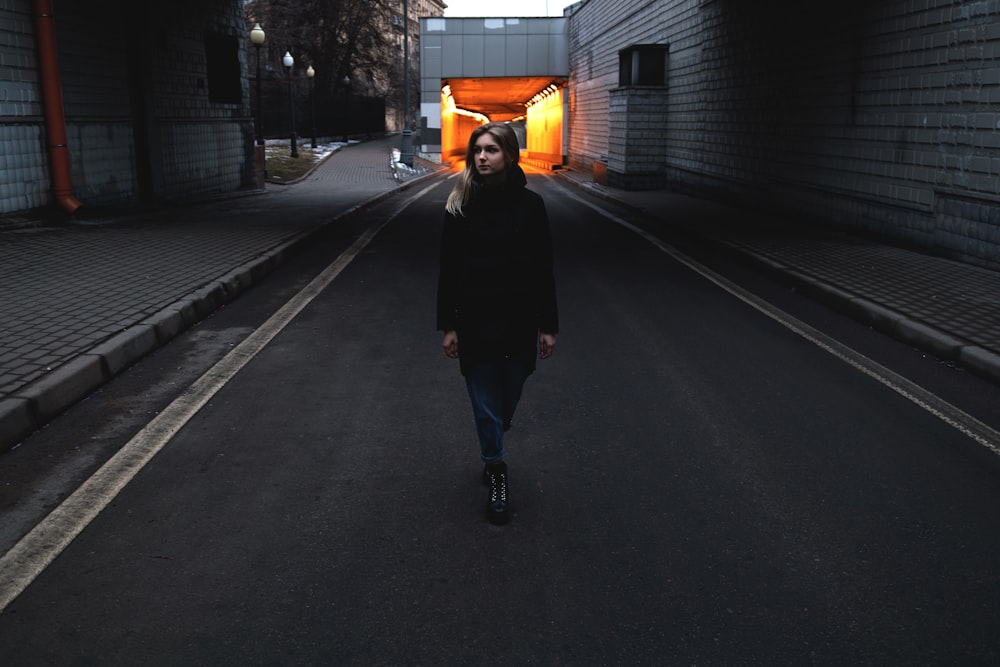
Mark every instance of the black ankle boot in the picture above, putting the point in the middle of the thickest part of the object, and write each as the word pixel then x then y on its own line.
pixel 496 476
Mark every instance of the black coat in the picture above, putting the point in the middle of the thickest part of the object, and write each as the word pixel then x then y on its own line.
pixel 496 286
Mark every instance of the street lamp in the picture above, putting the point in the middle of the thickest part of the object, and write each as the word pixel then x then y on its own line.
pixel 257 39
pixel 310 73
pixel 406 150
pixel 288 61
pixel 259 155
pixel 347 106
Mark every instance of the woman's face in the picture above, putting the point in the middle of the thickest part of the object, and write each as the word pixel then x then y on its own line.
pixel 490 161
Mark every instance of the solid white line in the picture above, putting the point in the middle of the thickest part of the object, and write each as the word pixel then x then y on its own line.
pixel 36 550
pixel 946 412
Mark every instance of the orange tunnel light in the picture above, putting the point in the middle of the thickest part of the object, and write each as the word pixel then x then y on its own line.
pixel 537 102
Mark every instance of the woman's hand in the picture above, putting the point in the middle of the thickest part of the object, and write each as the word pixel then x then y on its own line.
pixel 450 344
pixel 546 345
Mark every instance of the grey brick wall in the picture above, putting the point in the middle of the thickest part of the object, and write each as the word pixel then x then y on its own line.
pixel 23 167
pixel 153 90
pixel 884 115
pixel 140 122
pixel 637 138
pixel 598 31
pixel 206 146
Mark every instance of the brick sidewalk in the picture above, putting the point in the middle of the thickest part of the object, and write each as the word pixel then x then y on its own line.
pixel 82 301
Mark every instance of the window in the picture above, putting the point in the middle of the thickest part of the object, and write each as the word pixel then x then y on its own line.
pixel 222 65
pixel 643 65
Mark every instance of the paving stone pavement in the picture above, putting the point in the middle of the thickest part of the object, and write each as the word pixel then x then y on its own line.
pixel 80 302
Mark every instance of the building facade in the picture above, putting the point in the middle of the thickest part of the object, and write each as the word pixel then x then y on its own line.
pixel 883 116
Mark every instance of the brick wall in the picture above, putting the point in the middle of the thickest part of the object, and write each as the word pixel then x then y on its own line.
pixel 23 166
pixel 598 31
pixel 138 103
pixel 637 138
pixel 141 121
pixel 882 114
pixel 206 146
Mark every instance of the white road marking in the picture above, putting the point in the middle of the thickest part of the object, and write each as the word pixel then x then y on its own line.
pixel 946 412
pixel 36 550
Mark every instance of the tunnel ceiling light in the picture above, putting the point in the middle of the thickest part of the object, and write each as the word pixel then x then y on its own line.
pixel 471 114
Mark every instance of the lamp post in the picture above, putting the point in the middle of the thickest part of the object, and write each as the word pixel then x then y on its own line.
pixel 310 73
pixel 257 39
pixel 406 150
pixel 260 158
pixel 288 61
pixel 347 106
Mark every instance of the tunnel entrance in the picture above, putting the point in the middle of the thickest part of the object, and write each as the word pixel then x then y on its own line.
pixel 533 105
pixel 475 70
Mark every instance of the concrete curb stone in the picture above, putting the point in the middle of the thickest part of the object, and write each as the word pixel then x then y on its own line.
pixel 891 322
pixel 64 386
pixel 17 419
pixel 980 360
pixel 122 350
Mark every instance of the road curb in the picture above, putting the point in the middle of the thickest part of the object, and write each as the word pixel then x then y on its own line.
pixel 37 403
pixel 900 326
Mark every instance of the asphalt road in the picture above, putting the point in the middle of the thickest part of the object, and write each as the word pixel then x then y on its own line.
pixel 692 483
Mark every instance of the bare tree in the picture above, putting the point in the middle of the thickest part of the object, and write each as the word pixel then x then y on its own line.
pixel 339 38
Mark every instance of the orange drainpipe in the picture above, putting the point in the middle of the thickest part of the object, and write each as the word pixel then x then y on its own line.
pixel 55 119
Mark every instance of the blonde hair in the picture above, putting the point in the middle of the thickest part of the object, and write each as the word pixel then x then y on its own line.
pixel 505 138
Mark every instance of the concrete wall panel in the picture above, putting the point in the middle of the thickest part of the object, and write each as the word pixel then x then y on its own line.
pixel 517 26
pixel 430 60
pixel 517 55
pixel 558 51
pixel 537 57
pixel 495 49
pixel 473 56
pixel 451 55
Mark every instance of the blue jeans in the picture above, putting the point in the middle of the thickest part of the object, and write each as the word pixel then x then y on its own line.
pixel 494 388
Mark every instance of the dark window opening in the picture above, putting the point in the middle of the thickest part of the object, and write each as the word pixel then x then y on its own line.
pixel 643 65
pixel 222 64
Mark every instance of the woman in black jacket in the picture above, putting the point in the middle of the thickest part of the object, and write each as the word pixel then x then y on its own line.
pixel 496 291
